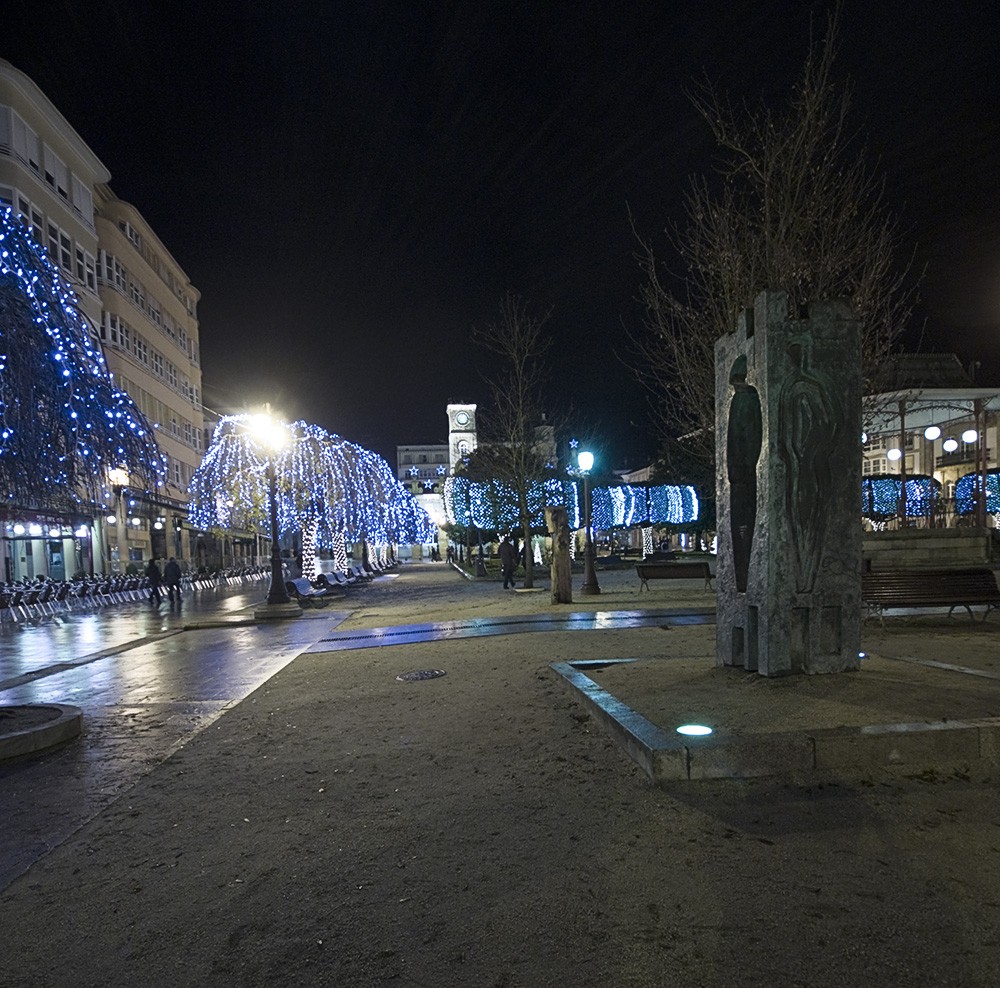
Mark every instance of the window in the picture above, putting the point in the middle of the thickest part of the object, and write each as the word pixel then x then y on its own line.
pixel 6 197
pixel 175 426
pixel 188 434
pixel 131 232
pixel 140 350
pixel 83 200
pixel 171 375
pixel 175 470
pixel 31 215
pixel 182 339
pixel 153 308
pixel 156 362
pixel 56 172
pixel 65 252
pixel 27 146
pixel 137 294
pixel 114 272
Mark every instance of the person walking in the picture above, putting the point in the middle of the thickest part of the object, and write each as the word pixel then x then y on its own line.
pixel 155 579
pixel 508 560
pixel 172 578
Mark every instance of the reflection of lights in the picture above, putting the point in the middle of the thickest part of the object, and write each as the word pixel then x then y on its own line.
pixel 894 454
pixel 694 730
pixel 950 445
pixel 970 436
pixel 932 432
pixel 19 530
pixel 34 529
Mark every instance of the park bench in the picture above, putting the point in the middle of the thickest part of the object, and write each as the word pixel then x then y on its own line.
pixel 949 588
pixel 674 571
pixel 303 591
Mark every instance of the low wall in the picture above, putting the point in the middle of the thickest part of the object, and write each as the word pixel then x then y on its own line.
pixel 928 548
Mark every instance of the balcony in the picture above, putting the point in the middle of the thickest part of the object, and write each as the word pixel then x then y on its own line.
pixel 960 457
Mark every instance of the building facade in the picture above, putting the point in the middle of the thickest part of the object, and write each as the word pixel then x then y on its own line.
pixel 142 308
pixel 149 329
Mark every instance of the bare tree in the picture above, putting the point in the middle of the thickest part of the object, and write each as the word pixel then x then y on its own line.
pixel 793 205
pixel 515 449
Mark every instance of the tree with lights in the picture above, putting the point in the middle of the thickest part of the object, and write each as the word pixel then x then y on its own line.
pixel 63 423
pixel 795 207
pixel 329 489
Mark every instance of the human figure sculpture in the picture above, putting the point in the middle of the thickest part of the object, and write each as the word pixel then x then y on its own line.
pixel 808 427
pixel 743 444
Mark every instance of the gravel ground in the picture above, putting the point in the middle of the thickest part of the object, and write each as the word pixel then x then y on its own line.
pixel 340 827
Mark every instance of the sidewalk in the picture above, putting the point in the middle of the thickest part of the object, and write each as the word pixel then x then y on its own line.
pixel 342 827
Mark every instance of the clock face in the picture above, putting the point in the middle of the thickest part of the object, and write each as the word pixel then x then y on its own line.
pixel 462 418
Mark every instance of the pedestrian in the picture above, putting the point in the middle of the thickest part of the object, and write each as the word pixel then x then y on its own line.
pixel 172 578
pixel 155 579
pixel 508 560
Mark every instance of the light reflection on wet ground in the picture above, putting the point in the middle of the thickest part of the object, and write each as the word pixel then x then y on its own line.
pixel 140 702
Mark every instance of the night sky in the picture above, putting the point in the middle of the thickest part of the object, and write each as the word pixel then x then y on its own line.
pixel 353 186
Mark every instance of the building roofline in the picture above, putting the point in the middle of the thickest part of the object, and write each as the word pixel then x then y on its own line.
pixel 30 90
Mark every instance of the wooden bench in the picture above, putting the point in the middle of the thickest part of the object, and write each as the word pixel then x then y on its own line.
pixel 949 588
pixel 674 571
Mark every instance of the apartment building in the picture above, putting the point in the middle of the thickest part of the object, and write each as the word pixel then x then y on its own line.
pixel 149 329
pixel 138 302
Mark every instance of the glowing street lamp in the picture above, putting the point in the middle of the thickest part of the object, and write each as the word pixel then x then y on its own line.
pixel 585 461
pixel 273 436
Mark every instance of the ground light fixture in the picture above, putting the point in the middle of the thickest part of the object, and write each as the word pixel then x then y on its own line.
pixel 694 730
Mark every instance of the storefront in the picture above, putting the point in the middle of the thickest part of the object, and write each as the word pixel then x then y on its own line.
pixel 34 544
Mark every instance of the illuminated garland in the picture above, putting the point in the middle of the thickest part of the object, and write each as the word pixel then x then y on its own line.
pixel 965 493
pixel 881 495
pixel 491 506
pixel 63 423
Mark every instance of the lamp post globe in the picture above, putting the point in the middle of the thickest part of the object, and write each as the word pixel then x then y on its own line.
pixel 585 461
pixel 273 436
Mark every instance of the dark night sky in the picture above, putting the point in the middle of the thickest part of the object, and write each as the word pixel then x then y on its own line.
pixel 352 186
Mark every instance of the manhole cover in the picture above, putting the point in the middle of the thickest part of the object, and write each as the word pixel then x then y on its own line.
pixel 418 674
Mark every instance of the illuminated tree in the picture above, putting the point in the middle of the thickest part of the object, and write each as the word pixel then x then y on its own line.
pixel 63 423
pixel 328 488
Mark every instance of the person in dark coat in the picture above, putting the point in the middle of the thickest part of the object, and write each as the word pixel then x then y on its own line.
pixel 155 579
pixel 172 578
pixel 508 561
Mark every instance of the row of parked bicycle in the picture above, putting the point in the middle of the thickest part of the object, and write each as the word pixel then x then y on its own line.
pixel 29 601
pixel 327 586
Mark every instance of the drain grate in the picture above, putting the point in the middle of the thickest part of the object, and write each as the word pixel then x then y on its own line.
pixel 420 674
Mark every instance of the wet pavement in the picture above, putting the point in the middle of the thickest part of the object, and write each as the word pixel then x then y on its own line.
pixel 147 679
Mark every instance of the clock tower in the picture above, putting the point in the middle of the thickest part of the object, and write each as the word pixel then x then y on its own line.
pixel 461 434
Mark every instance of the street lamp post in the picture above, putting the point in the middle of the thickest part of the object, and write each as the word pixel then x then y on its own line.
pixel 278 604
pixel 585 461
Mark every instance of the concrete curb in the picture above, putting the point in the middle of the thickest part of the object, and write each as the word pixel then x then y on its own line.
pixel 842 752
pixel 65 723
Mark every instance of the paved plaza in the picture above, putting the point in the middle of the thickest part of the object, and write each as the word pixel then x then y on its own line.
pixel 270 804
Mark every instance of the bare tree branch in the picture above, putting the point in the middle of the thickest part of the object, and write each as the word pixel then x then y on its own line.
pixel 794 206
